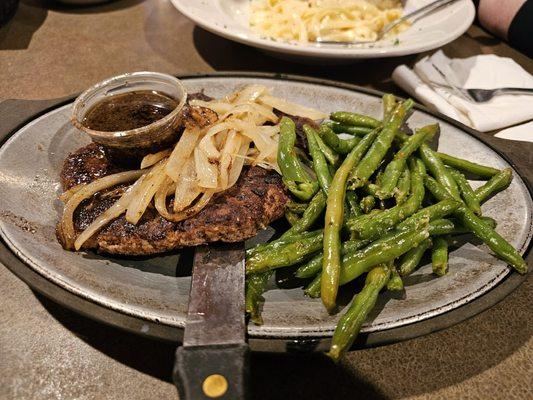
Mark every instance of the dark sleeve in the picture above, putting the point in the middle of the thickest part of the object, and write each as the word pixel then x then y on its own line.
pixel 520 33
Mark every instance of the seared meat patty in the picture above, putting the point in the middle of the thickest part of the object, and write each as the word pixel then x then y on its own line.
pixel 257 199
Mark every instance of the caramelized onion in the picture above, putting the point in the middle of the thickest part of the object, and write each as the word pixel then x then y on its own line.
pixel 187 189
pixel 292 108
pixel 110 214
pixel 86 191
pixel 189 212
pixel 152 159
pixel 140 200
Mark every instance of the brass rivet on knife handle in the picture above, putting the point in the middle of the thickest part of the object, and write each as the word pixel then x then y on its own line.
pixel 215 386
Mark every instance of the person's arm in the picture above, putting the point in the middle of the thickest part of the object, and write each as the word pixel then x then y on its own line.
pixel 496 15
pixel 511 20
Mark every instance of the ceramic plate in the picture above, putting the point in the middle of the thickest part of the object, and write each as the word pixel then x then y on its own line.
pixel 155 289
pixel 229 19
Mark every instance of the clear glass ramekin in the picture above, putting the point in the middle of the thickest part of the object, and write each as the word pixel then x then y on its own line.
pixel 141 139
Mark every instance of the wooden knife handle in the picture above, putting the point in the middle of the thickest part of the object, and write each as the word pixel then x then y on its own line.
pixel 212 372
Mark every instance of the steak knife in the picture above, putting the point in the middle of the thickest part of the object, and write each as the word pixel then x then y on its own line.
pixel 213 361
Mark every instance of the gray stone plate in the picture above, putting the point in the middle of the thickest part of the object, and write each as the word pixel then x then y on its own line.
pixel 154 291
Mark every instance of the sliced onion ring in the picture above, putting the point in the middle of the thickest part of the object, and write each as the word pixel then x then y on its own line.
pixel 110 214
pixel 85 192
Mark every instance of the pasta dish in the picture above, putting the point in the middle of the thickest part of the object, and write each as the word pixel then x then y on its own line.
pixel 306 21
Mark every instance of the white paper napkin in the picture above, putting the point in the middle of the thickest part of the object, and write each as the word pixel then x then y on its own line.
pixel 523 132
pixel 432 79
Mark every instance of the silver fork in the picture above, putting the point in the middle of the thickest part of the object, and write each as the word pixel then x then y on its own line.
pixel 480 95
pixel 421 12
pixel 484 95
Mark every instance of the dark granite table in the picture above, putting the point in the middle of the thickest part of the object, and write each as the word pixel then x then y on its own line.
pixel 47 352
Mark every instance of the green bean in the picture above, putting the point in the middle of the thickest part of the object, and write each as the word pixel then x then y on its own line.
pixel 332 169
pixel 354 119
pixel 338 127
pixel 341 146
pixel 438 170
pixel 385 249
pixel 334 221
pixel 438 191
pixel 482 230
pixel 310 268
pixel 280 242
pixel 467 193
pixel 468 166
pixel 297 208
pixel 353 205
pixel 370 162
pixel 390 178
pixel 310 215
pixel 439 256
pixel 381 251
pixel 314 266
pixel 395 168
pixel 491 238
pixel 320 165
pixel 371 227
pixel 332 158
pixel 400 138
pixel 371 189
pixel 291 217
pixel 367 203
pixel 404 185
pixel 444 226
pixel 389 103
pixel 255 287
pixel 410 260
pixel 413 142
pixel 284 256
pixel 350 323
pixel 293 174
pixel 435 211
pixel 494 185
pixel 313 289
pixel 487 220
pixel 395 283
pixel 452 227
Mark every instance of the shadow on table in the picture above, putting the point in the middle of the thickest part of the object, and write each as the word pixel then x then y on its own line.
pixel 17 33
pixel 273 375
pixel 31 14
pixel 224 55
pixel 104 6
pixel 400 370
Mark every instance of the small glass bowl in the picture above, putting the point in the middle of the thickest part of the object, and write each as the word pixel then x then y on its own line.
pixel 139 140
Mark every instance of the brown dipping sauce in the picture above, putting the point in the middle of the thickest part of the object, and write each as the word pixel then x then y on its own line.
pixel 126 111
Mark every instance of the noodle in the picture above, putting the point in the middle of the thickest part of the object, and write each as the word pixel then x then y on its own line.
pixel 306 21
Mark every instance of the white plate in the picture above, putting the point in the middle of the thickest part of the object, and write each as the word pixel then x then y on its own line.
pixel 229 19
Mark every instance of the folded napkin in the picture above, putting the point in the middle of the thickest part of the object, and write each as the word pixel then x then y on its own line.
pixel 432 80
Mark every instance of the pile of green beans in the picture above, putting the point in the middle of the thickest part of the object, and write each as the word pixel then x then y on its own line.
pixel 374 204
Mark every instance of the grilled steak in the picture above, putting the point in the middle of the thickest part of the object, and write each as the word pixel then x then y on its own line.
pixel 239 213
pixel 257 199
